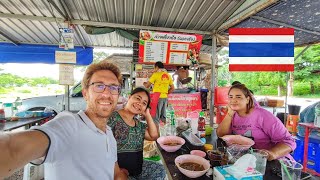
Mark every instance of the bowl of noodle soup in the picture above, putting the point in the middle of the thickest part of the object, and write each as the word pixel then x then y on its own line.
pixel 191 165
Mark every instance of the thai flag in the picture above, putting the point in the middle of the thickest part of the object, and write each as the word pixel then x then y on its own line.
pixel 261 49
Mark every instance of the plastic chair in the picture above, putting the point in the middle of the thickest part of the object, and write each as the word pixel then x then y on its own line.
pixel 221 99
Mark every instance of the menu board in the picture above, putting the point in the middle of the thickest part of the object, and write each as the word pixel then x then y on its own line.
pixel 178 58
pixel 155 51
pixel 169 48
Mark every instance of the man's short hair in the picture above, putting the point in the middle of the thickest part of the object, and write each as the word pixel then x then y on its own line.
pixel 102 65
pixel 159 64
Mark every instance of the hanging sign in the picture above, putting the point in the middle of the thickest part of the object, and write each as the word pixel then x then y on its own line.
pixel 169 48
pixel 66 74
pixel 66 38
pixel 66 57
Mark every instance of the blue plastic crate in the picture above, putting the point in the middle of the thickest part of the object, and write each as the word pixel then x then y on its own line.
pixel 298 152
pixel 312 149
pixel 313 153
pixel 314 164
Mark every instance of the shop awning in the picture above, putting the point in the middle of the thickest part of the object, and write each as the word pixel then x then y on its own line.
pixel 30 53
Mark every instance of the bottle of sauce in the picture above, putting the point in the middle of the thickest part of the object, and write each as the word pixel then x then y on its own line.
pixel 201 125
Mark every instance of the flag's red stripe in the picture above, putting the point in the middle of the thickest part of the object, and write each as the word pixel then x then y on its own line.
pixel 261 31
pixel 261 67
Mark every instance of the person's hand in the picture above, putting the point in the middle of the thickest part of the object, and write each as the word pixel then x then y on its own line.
pixel 271 155
pixel 230 111
pixel 146 112
pixel 125 171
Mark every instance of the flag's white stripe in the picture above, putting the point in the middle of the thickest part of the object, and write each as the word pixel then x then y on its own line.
pixel 261 60
pixel 261 38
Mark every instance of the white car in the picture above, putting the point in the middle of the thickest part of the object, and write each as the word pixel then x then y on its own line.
pixel 57 102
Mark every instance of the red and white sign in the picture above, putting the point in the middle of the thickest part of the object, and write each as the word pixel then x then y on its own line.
pixel 183 103
pixel 169 48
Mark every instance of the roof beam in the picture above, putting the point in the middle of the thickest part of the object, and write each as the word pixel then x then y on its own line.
pixel 247 9
pixel 57 9
pixel 284 24
pixel 100 24
pixel 9 39
pixel 32 18
pixel 228 14
pixel 130 26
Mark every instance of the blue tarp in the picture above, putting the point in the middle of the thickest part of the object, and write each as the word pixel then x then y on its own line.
pixel 30 53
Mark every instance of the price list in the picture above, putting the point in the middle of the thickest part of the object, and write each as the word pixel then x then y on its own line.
pixel 155 51
pixel 178 58
pixel 179 47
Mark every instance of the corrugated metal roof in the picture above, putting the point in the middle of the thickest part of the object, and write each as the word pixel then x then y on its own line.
pixel 200 15
pixel 37 21
pixel 303 16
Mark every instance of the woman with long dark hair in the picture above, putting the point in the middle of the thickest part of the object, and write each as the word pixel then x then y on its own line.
pixel 244 118
pixel 130 135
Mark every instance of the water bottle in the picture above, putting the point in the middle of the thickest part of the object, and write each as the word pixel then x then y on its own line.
pixel 170 121
pixel 169 111
pixel 7 109
pixel 317 115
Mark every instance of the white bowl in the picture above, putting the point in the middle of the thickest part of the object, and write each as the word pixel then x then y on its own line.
pixel 195 159
pixel 167 139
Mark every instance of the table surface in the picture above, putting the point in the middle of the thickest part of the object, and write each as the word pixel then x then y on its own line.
pixel 10 125
pixel 273 169
pixel 309 125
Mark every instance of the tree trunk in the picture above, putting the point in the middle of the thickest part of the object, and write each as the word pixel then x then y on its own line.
pixel 279 90
pixel 311 87
pixel 290 85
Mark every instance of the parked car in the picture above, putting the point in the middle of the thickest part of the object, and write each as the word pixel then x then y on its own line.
pixel 57 103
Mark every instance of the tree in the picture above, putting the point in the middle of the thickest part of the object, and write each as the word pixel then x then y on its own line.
pixel 307 65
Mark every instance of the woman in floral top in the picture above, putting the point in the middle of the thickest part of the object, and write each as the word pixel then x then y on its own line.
pixel 130 134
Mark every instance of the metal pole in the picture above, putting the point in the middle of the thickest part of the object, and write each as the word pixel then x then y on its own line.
pixel 286 101
pixel 66 98
pixel 213 77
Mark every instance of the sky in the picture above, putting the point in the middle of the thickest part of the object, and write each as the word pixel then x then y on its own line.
pixel 46 70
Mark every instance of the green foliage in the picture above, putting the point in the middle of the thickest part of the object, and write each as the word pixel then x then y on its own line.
pixel 265 90
pixel 9 80
pixel 25 91
pixel 41 81
pixel 4 90
pixel 303 88
pixel 307 64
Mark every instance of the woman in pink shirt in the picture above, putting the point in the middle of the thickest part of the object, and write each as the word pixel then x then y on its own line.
pixel 244 118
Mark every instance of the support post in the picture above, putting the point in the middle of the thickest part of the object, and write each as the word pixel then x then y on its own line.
pixel 213 77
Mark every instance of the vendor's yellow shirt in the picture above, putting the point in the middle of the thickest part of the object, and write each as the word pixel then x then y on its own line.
pixel 161 82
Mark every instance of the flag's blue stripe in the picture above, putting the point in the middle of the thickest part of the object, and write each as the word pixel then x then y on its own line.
pixel 261 49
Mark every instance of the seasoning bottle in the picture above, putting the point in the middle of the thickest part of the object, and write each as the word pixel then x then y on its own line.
pixel 201 125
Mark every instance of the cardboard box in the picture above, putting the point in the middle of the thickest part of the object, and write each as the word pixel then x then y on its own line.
pixel 220 174
pixel 275 103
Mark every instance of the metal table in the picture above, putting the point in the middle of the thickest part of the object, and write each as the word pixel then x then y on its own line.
pixel 25 122
pixel 273 169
